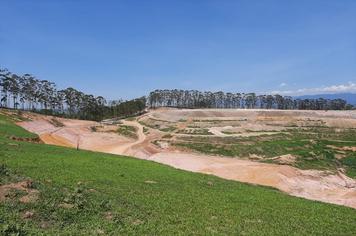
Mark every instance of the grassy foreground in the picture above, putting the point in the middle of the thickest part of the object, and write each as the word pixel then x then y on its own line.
pixel 88 193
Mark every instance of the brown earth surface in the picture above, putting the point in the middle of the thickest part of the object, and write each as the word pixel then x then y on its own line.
pixel 311 184
pixel 24 186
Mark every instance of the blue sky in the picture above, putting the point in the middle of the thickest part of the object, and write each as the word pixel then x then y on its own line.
pixel 124 49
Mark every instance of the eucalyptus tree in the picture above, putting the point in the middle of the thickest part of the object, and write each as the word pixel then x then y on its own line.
pixel 5 86
pixel 46 93
pixel 29 90
pixel 70 99
pixel 250 100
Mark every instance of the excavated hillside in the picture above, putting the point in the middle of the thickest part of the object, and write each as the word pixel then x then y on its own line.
pixel 164 136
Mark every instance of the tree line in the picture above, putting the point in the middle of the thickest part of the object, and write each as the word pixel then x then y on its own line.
pixel 197 99
pixel 26 92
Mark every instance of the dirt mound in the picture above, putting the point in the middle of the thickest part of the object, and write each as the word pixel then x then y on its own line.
pixel 22 139
pixel 284 159
pixel 344 148
pixel 56 140
pixel 73 133
pixel 24 186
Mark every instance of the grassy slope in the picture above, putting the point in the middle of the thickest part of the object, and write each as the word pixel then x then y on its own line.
pixel 180 202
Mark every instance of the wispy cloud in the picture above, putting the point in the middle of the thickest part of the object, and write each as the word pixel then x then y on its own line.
pixel 341 88
pixel 283 85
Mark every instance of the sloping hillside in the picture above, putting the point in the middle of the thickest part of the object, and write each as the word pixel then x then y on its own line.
pixel 279 149
pixel 54 190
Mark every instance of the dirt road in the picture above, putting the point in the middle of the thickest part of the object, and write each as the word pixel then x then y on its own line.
pixel 126 149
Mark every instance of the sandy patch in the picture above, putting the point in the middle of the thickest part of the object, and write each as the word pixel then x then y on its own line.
pixel 344 148
pixel 285 159
pixel 238 132
pixel 75 133
pixel 55 140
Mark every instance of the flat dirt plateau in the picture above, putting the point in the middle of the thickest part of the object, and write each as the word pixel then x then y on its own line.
pixel 309 154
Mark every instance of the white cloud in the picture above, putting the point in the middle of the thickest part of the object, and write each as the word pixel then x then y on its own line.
pixel 282 85
pixel 341 88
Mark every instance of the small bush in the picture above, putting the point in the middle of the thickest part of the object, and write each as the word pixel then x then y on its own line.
pixel 13 229
pixel 130 118
pixel 145 130
pixel 167 136
pixel 4 171
pixel 128 131
pixel 56 122
pixel 168 129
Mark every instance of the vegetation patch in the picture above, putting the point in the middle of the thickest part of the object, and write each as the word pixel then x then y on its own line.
pixel 311 148
pixel 228 132
pixel 167 136
pixel 9 130
pixel 14 115
pixel 26 139
pixel 168 129
pixel 56 123
pixel 146 130
pixel 127 130
pixel 195 131
pixel 149 124
pixel 162 125
pixel 350 164
pixel 131 118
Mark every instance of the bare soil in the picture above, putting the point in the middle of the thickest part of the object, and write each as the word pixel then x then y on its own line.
pixel 24 186
pixel 311 184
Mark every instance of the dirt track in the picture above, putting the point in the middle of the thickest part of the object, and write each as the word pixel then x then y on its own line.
pixel 310 184
pixel 127 149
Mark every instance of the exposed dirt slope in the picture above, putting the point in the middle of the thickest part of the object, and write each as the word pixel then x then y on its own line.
pixel 74 133
pixel 311 184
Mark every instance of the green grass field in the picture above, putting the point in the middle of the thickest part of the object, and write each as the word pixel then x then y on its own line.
pixel 114 195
